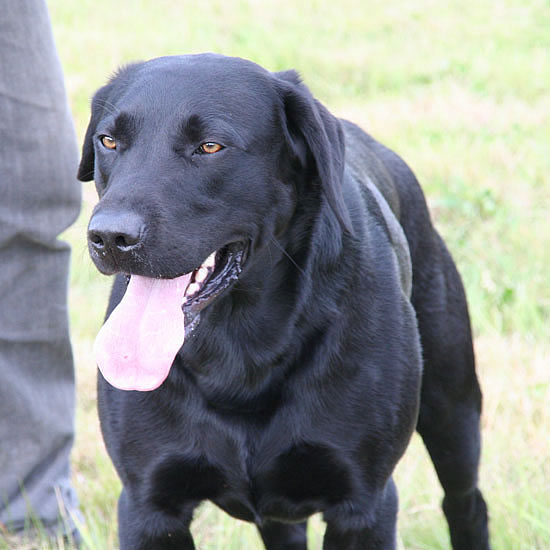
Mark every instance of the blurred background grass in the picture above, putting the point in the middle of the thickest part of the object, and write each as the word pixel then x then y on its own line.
pixel 460 89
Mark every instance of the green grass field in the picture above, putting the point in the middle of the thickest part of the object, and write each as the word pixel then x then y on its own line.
pixel 461 89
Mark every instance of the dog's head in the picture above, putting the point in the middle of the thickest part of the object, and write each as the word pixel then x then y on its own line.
pixel 199 161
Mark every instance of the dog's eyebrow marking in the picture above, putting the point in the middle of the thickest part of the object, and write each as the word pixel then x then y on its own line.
pixel 192 128
pixel 196 128
pixel 125 126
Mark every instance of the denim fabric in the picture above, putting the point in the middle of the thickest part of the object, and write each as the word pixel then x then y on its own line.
pixel 39 198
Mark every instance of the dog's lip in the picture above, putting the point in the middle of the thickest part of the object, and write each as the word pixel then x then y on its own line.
pixel 216 273
pixel 228 265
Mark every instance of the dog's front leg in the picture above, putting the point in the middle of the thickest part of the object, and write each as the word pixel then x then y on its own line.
pixel 378 532
pixel 140 528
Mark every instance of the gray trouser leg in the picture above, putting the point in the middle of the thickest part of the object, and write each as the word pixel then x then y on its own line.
pixel 39 198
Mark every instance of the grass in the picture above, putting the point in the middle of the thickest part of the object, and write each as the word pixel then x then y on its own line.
pixel 460 90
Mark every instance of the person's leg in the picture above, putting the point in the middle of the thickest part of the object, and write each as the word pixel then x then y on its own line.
pixel 39 198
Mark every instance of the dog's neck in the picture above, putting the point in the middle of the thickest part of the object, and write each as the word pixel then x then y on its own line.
pixel 252 338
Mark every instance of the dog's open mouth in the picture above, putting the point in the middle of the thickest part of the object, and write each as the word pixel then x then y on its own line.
pixel 136 346
pixel 214 276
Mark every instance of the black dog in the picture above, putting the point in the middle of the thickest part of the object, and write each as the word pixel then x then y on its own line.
pixel 324 319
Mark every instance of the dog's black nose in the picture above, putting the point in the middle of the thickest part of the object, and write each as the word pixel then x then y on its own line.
pixel 115 233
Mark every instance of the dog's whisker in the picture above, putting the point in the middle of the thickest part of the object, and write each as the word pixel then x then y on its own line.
pixel 108 106
pixel 287 255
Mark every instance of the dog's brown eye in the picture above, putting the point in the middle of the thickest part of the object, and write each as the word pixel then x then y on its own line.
pixel 108 142
pixel 210 147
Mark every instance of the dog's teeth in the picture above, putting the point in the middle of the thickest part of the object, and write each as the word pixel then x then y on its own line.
pixel 201 274
pixel 191 289
pixel 210 261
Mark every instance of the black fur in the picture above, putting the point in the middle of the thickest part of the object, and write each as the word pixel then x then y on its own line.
pixel 300 386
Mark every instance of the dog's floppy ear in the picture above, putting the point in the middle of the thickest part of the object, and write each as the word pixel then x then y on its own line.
pixel 99 107
pixel 309 127
pixel 102 102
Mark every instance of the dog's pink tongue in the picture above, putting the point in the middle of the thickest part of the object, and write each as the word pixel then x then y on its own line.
pixel 136 346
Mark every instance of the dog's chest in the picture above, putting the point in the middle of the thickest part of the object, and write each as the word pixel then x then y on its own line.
pixel 256 483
